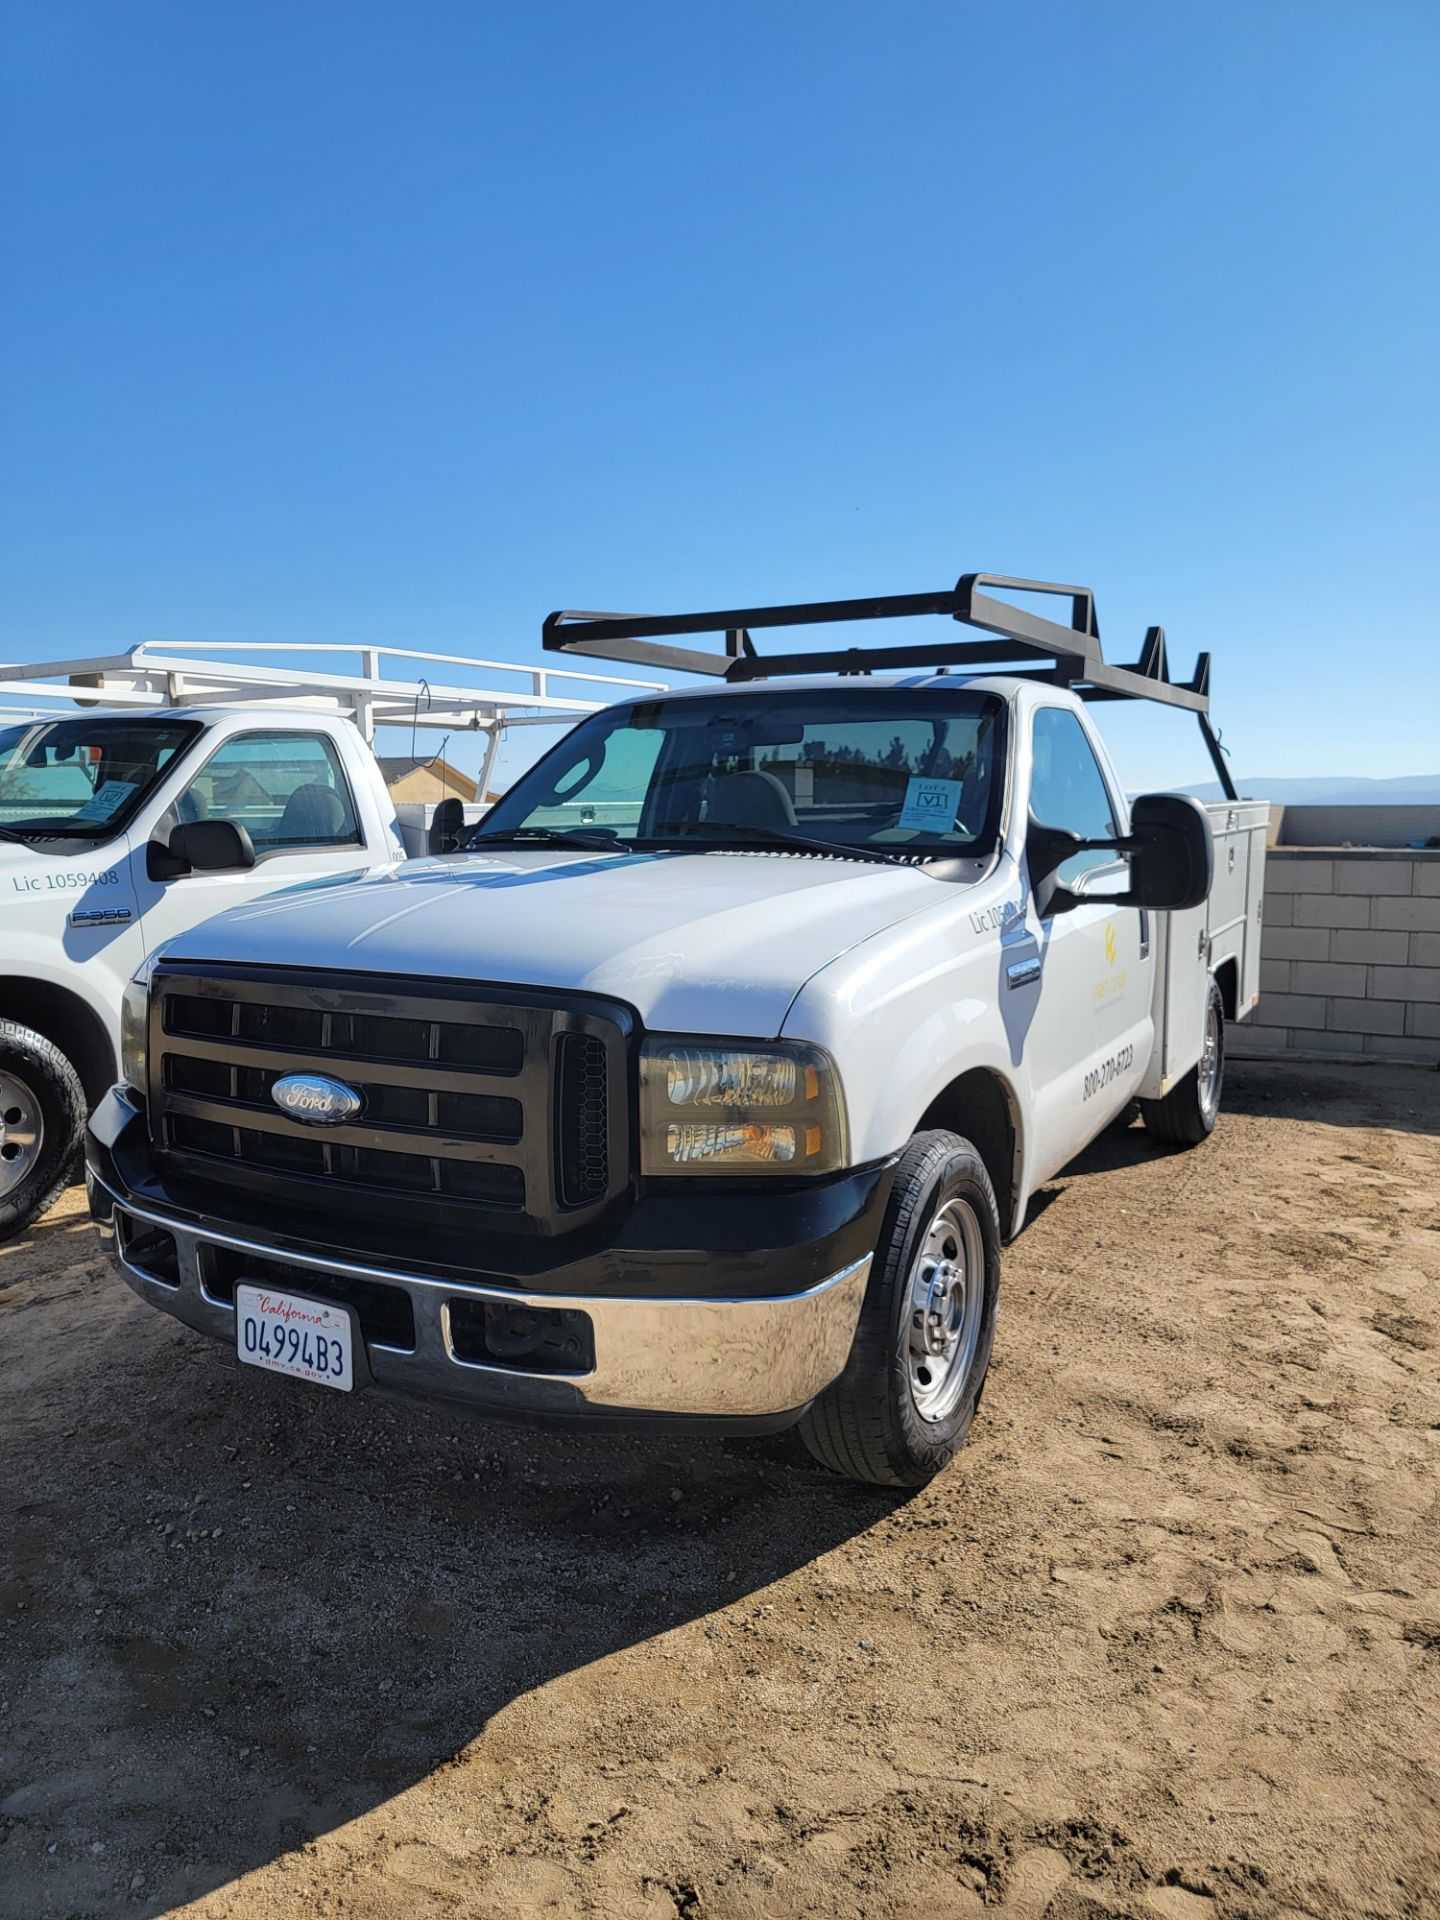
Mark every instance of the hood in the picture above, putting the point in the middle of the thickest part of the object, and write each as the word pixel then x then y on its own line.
pixel 697 943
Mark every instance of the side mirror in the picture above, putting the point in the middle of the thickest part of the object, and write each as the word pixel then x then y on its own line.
pixel 201 846
pixel 446 826
pixel 1172 858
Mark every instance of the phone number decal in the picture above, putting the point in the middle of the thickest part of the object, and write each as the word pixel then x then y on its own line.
pixel 1108 1070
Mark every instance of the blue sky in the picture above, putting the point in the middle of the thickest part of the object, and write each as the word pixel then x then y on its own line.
pixel 408 322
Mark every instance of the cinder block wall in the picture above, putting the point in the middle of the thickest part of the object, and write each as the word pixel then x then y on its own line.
pixel 1350 954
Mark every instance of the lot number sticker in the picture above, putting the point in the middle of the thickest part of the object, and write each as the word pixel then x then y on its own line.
pixel 931 805
pixel 105 800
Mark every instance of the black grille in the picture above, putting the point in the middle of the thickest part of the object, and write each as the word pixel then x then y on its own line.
pixel 360 1036
pixel 584 1104
pixel 460 1102
pixel 486 1116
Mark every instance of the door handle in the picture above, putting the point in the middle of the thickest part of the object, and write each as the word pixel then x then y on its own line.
pixel 1020 973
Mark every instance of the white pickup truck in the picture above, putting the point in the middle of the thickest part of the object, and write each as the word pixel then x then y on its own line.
pixel 706 1083
pixel 191 787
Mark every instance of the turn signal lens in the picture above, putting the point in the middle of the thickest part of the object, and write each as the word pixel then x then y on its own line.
pixel 134 1019
pixel 134 1007
pixel 773 1109
pixel 687 1146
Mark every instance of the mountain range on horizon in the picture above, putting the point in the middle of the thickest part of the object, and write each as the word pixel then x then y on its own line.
pixel 1298 790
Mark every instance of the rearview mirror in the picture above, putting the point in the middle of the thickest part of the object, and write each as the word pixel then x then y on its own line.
pixel 201 846
pixel 1172 858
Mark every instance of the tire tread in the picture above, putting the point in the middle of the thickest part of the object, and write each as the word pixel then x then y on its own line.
pixel 1177 1117
pixel 65 1094
pixel 849 1428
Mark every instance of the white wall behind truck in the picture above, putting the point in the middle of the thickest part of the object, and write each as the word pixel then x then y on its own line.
pixel 1350 954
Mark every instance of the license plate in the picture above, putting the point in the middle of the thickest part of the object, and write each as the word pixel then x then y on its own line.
pixel 286 1333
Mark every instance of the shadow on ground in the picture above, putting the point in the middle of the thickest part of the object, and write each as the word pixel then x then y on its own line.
pixel 238 1614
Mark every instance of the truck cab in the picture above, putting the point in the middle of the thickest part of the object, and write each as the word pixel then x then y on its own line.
pixel 119 830
pixel 706 1081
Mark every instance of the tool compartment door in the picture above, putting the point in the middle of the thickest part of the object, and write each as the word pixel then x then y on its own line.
pixel 1182 981
pixel 1193 945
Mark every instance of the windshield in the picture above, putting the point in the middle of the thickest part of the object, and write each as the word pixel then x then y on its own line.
pixel 909 770
pixel 82 779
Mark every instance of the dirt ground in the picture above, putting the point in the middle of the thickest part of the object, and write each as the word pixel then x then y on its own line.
pixel 1164 1641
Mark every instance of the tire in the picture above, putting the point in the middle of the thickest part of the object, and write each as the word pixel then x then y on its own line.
pixel 42 1125
pixel 1188 1113
pixel 884 1421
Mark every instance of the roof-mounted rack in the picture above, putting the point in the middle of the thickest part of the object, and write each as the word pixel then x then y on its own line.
pixel 185 673
pixel 1070 654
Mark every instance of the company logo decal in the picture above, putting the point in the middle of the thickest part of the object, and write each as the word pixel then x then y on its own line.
pixel 1113 985
pixel 316 1098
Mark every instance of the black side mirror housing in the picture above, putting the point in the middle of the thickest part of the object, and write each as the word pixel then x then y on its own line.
pixel 1172 858
pixel 201 846
pixel 1172 861
pixel 446 826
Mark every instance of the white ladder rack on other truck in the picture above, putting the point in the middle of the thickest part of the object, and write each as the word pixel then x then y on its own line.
pixel 195 673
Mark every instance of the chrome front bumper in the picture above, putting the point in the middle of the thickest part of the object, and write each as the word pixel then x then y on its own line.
pixel 683 1358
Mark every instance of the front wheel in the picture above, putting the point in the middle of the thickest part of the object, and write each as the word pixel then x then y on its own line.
pixel 42 1124
pixel 1188 1113
pixel 904 1404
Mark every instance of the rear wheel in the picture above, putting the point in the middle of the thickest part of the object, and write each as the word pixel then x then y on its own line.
pixel 1188 1113
pixel 42 1125
pixel 907 1397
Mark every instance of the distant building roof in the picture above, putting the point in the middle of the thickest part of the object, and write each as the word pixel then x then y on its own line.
pixel 426 779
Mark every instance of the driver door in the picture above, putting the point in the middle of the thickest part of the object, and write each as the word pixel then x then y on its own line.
pixel 289 792
pixel 1090 1029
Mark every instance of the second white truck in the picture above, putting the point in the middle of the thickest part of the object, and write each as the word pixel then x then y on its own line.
pixel 187 782
pixel 706 1083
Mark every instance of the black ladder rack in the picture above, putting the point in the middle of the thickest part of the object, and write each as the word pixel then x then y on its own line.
pixel 1070 654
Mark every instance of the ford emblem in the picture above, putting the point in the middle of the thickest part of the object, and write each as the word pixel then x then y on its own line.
pixel 315 1097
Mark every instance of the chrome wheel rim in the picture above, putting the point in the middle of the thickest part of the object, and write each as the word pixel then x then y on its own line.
pixel 947 1302
pixel 1212 1063
pixel 22 1132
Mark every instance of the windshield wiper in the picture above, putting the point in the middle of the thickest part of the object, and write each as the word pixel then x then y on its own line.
pixel 9 833
pixel 802 842
pixel 596 842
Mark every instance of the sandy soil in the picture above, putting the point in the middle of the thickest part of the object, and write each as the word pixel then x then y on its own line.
pixel 1164 1641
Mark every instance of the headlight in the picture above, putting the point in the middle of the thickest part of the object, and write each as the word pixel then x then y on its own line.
pixel 714 1107
pixel 134 1019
